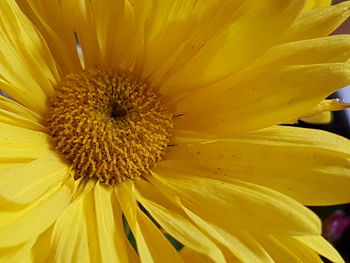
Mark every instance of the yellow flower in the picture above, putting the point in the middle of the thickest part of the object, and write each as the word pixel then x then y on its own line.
pixel 170 113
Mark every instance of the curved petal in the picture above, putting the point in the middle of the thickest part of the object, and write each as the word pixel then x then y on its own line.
pixel 254 22
pixel 311 166
pixel 178 226
pixel 109 225
pixel 22 145
pixel 241 245
pixel 70 235
pixel 317 22
pixel 54 26
pixel 19 224
pixel 192 256
pixel 287 249
pixel 91 230
pixel 17 253
pixel 14 113
pixel 333 49
pixel 214 201
pixel 322 247
pixel 151 243
pixel 312 4
pixel 42 249
pixel 269 97
pixel 27 69
pixel 330 49
pixel 176 31
pixel 23 184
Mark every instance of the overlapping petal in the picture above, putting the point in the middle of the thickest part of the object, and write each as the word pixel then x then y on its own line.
pixel 177 225
pixel 311 166
pixel 151 243
pixel 91 230
pixel 39 215
pixel 215 201
pixel 27 69
pixel 317 22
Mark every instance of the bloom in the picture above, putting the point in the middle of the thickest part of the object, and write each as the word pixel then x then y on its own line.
pixel 173 109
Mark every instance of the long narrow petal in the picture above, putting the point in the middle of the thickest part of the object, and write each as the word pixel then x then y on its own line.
pixel 54 26
pixel 334 49
pixel 330 49
pixel 180 227
pixel 309 165
pixel 321 246
pixel 16 114
pixel 22 145
pixel 254 22
pixel 269 97
pixel 110 231
pixel 99 235
pixel 192 256
pixel 42 249
pixel 151 243
pixel 24 184
pixel 239 242
pixel 27 222
pixel 177 30
pixel 70 235
pixel 317 22
pixel 27 69
pixel 17 253
pixel 215 201
pixel 287 249
pixel 312 4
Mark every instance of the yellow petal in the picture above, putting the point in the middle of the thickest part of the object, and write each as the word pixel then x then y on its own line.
pixel 109 225
pixel 311 4
pixel 25 183
pixel 180 228
pixel 309 165
pixel 27 70
pixel 17 253
pixel 70 240
pixel 99 235
pixel 119 30
pixel 192 256
pixel 327 105
pixel 42 249
pixel 81 22
pixel 177 31
pixel 240 243
pixel 22 145
pixel 330 49
pixel 269 97
pixel 254 22
pixel 215 201
pixel 151 243
pixel 319 118
pixel 27 222
pixel 321 113
pixel 321 246
pixel 54 26
pixel 18 109
pixel 286 249
pixel 317 22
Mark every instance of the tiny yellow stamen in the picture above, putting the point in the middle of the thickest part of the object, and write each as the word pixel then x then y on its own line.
pixel 109 125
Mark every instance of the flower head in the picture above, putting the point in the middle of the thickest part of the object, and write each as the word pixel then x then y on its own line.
pixel 163 116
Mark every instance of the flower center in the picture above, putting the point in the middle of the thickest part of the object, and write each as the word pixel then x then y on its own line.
pixel 108 125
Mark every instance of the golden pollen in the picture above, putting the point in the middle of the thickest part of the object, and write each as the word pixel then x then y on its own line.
pixel 109 125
